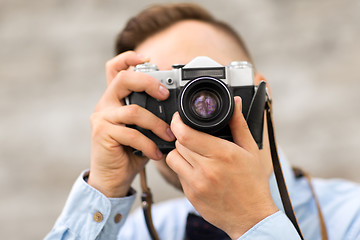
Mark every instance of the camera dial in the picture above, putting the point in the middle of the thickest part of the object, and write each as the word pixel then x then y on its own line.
pixel 240 65
pixel 146 67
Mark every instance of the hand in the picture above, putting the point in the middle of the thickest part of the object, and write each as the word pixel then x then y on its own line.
pixel 113 166
pixel 225 181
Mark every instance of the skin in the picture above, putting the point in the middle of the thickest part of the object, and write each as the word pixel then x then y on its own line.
pixel 229 188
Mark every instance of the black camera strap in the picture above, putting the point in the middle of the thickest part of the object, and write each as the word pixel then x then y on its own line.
pixel 280 180
pixel 289 211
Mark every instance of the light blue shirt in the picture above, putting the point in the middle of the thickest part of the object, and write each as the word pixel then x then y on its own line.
pixel 339 200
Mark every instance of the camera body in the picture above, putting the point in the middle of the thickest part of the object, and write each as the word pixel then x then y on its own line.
pixel 203 91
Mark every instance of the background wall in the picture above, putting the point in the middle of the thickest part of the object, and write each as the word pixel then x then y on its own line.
pixel 52 56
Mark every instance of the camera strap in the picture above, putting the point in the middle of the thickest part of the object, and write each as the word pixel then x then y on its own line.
pixel 285 198
pixel 299 173
pixel 280 180
pixel 146 196
pixel 146 201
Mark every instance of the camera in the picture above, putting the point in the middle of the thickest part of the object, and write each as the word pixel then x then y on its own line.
pixel 203 91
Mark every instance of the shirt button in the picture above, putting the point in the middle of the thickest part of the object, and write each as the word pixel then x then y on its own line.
pixel 98 217
pixel 118 218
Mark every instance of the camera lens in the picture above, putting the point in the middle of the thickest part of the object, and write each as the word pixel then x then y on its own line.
pixel 205 104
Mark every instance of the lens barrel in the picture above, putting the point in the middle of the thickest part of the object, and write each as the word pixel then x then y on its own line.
pixel 206 104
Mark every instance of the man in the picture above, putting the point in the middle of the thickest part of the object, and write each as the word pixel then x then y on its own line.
pixel 230 184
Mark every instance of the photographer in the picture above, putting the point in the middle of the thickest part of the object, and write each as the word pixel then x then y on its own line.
pixel 229 184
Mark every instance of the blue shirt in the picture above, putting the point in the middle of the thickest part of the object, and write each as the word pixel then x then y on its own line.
pixel 339 200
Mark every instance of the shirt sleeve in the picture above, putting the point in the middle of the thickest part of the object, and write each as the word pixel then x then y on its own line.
pixel 88 214
pixel 276 226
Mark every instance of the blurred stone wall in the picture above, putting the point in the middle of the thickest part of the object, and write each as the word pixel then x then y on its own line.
pixel 52 56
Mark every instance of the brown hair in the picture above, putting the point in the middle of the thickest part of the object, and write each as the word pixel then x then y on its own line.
pixel 158 17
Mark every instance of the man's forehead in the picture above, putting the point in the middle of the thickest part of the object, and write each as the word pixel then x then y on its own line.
pixel 188 39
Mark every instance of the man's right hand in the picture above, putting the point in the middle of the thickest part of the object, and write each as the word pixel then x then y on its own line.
pixel 113 166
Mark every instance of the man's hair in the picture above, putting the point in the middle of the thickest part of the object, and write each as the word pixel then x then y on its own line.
pixel 159 17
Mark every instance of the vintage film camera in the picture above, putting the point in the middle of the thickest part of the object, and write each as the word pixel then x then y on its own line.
pixel 203 92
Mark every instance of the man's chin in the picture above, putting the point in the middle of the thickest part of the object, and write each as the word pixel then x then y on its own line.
pixel 173 182
pixel 168 174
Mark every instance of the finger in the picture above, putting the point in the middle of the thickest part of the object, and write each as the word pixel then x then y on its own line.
pixel 130 81
pixel 122 62
pixel 190 156
pixel 136 115
pixel 240 130
pixel 178 164
pixel 126 82
pixel 133 138
pixel 199 142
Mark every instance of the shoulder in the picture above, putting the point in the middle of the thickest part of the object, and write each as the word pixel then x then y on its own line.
pixel 337 194
pixel 339 200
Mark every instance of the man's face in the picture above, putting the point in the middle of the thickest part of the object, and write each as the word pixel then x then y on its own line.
pixel 179 44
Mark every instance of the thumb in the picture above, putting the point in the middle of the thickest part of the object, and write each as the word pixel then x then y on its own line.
pixel 239 128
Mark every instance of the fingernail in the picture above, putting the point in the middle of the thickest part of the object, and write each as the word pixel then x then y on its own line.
pixel 174 115
pixel 143 58
pixel 170 133
pixel 159 154
pixel 238 101
pixel 163 90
